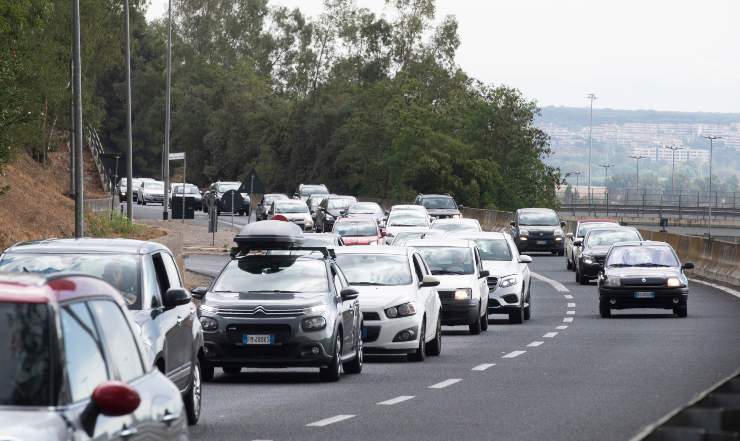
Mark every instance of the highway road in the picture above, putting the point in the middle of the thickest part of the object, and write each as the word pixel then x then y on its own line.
pixel 565 375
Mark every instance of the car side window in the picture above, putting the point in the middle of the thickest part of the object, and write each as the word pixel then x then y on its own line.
pixel 161 272
pixel 151 285
pixel 173 273
pixel 85 364
pixel 118 337
pixel 417 269
pixel 478 262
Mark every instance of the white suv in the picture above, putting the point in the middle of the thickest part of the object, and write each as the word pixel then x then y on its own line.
pixel 463 289
pixel 399 304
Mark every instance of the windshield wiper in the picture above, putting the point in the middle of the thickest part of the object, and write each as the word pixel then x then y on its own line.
pixel 404 225
pixel 619 265
pixel 369 284
pixel 276 291
pixel 652 264
pixel 447 273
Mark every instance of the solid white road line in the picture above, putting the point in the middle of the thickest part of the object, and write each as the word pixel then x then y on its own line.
pixel 444 384
pixel 554 283
pixel 550 335
pixel 332 420
pixel 729 291
pixel 562 327
pixel 514 354
pixel 392 401
pixel 483 367
pixel 534 344
pixel 568 319
pixel 571 305
pixel 570 312
pixel 568 296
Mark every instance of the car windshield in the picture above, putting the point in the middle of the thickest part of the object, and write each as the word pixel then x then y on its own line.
pixel 223 188
pixel 585 228
pixel 494 249
pixel 544 218
pixel 408 219
pixel 154 185
pixel 315 201
pixel 455 226
pixel 189 189
pixel 609 237
pixel 439 203
pixel 653 255
pixel 25 355
pixel 365 208
pixel 448 260
pixel 404 236
pixel 375 269
pixel 356 229
pixel 341 204
pixel 291 207
pixel 319 240
pixel 273 274
pixel 269 199
pixel 121 271
pixel 308 190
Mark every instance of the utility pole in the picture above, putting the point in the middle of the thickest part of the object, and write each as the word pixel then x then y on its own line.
pixel 166 152
pixel 711 139
pixel 591 97
pixel 77 100
pixel 606 166
pixel 674 148
pixel 637 179
pixel 130 149
pixel 577 174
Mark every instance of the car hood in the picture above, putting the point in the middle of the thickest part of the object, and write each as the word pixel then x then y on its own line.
pixel 539 229
pixel 359 240
pixel 384 296
pixel 596 251
pixel 31 425
pixel 234 300
pixel 393 230
pixel 452 282
pixel 628 272
pixel 501 268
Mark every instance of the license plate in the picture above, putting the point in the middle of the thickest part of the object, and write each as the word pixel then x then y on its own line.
pixel 644 295
pixel 541 242
pixel 258 339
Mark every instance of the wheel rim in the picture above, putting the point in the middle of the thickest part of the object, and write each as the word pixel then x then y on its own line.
pixel 196 391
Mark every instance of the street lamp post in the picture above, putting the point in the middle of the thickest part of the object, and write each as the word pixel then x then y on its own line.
pixel 77 118
pixel 166 152
pixel 674 148
pixel 130 155
pixel 591 97
pixel 606 166
pixel 637 179
pixel 577 174
pixel 711 139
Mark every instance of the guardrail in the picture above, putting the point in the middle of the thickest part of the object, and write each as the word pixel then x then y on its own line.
pixel 100 204
pixel 647 198
pixel 648 210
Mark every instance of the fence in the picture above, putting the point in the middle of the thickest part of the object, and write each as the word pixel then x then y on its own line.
pixel 647 198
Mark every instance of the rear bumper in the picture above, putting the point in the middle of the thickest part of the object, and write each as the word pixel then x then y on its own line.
pixel 625 298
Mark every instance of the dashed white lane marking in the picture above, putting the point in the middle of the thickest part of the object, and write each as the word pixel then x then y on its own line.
pixel 568 319
pixel 534 344
pixel 327 421
pixel 444 384
pixel 392 401
pixel 554 283
pixel 550 335
pixel 568 296
pixel 571 305
pixel 570 312
pixel 514 354
pixel 562 327
pixel 483 367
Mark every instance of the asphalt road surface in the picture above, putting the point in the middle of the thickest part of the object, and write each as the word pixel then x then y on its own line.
pixel 565 375
pixel 201 218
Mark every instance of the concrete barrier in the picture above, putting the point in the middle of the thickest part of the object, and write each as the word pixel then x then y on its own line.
pixel 490 220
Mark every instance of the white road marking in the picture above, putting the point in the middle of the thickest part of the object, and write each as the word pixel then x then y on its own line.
pixel 562 327
pixel 570 312
pixel 534 344
pixel 571 305
pixel 729 291
pixel 327 421
pixel 514 354
pixel 568 319
pixel 550 335
pixel 444 384
pixel 568 296
pixel 554 283
pixel 392 401
pixel 483 367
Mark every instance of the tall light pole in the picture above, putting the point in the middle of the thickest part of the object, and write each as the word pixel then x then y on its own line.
pixel 77 117
pixel 606 166
pixel 637 179
pixel 591 97
pixel 674 148
pixel 577 174
pixel 166 151
pixel 130 148
pixel 711 139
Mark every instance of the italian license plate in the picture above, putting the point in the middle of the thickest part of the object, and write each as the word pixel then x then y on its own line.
pixel 258 339
pixel 644 295
pixel 541 242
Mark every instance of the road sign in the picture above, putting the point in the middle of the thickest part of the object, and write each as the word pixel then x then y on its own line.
pixel 177 156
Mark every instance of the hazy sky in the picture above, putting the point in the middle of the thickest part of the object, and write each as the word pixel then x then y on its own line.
pixel 633 54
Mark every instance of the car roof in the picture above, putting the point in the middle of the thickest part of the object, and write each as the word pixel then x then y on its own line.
pixel 434 196
pixel 644 243
pixel 468 235
pixel 534 210
pixel 372 249
pixel 450 243
pixel 408 207
pixel 35 288
pixel 357 220
pixel 457 221
pixel 86 246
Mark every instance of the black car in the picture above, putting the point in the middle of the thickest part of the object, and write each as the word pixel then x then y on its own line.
pixel 215 193
pixel 538 229
pixel 595 246
pixel 439 206
pixel 146 275
pixel 330 209
pixel 582 227
pixel 290 306
pixel 643 274
pixel 263 208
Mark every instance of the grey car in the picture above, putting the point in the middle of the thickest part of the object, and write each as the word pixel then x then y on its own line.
pixel 439 206
pixel 74 368
pixel 147 277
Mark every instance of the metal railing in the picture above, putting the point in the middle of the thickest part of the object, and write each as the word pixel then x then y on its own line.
pixel 96 148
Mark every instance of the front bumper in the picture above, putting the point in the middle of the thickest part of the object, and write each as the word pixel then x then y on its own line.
pixel 460 312
pixel 505 300
pixel 378 335
pixel 589 270
pixel 624 298
pixel 153 198
pixel 539 244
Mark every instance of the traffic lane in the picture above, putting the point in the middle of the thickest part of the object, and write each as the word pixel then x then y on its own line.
pixel 225 220
pixel 278 404
pixel 206 264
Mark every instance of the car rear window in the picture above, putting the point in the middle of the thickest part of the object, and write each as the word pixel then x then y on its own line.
pixel 356 229
pixel 448 260
pixel 375 269
pixel 439 203
pixel 494 249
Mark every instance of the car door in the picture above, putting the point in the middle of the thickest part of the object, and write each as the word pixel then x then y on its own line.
pixel 183 333
pixel 523 268
pixel 482 281
pixel 349 311
pixel 425 296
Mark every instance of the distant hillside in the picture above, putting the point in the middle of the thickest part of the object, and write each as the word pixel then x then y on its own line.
pixel 578 116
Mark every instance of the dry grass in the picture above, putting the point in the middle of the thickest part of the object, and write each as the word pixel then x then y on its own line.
pixel 113 224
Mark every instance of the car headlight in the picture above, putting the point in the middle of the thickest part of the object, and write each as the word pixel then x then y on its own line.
pixel 523 234
pixel 315 310
pixel 587 259
pixel 463 294
pixel 508 281
pixel 403 310
pixel 208 324
pixel 329 217
pixel 673 282
pixel 313 323
pixel 613 282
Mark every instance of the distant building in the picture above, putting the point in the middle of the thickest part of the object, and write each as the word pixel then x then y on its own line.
pixel 657 152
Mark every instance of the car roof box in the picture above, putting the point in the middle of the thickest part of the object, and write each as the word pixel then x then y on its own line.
pixel 269 235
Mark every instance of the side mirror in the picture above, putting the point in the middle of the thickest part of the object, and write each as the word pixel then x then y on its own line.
pixel 484 273
pixel 460 207
pixel 562 223
pixel 578 242
pixel 523 258
pixel 569 235
pixel 112 398
pixel 349 294
pixel 386 212
pixel 512 223
pixel 687 266
pixel 429 281
pixel 199 292
pixel 176 297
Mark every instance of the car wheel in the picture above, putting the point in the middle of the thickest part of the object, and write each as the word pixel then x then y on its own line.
pixel 475 327
pixel 583 280
pixel 232 370
pixel 206 372
pixel 484 322
pixel 420 354
pixel 355 366
pixel 604 310
pixel 578 274
pixel 143 202
pixel 568 263
pixel 528 309
pixel 681 311
pixel 517 317
pixel 334 370
pixel 434 347
pixel 561 253
pixel 554 253
pixel 193 397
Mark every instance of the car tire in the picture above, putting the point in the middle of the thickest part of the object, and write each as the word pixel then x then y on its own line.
pixel 192 398
pixel 475 327
pixel 604 310
pixel 143 202
pixel 484 322
pixel 681 311
pixel 421 351
pixel 232 370
pixel 561 253
pixel 583 280
pixel 528 309
pixel 355 366
pixel 554 253
pixel 207 372
pixel 568 263
pixel 434 347
pixel 333 372
pixel 517 317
